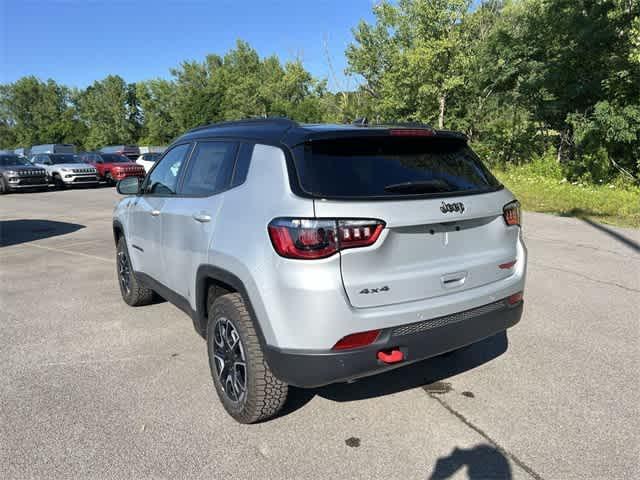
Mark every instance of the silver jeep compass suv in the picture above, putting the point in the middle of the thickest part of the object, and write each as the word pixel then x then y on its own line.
pixel 313 254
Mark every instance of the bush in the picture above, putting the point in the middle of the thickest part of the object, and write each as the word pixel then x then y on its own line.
pixel 546 165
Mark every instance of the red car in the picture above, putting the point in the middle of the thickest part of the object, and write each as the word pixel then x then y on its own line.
pixel 112 166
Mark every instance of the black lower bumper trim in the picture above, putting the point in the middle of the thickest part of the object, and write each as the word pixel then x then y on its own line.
pixel 315 369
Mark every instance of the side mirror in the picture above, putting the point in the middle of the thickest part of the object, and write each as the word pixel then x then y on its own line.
pixel 128 186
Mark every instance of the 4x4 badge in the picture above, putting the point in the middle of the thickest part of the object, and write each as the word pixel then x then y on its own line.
pixel 367 291
pixel 452 207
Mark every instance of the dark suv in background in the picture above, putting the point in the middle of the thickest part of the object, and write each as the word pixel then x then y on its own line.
pixel 16 173
pixel 132 152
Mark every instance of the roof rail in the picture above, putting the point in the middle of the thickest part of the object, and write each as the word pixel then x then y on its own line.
pixel 248 121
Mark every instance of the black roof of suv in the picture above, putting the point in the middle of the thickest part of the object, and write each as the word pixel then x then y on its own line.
pixel 282 131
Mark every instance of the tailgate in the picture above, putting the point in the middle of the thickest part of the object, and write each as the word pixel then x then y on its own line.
pixel 424 253
pixel 443 210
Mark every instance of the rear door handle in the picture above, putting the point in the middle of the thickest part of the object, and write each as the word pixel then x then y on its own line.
pixel 201 217
pixel 155 213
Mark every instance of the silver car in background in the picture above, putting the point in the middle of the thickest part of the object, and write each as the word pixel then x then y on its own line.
pixel 314 254
pixel 65 169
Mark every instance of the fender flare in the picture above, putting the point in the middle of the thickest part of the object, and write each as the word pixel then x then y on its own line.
pixel 209 272
pixel 117 225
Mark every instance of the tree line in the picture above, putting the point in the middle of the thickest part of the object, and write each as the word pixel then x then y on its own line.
pixel 524 79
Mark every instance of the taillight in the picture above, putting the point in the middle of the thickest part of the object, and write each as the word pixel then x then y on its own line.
pixel 356 340
pixel 358 233
pixel 308 238
pixel 511 213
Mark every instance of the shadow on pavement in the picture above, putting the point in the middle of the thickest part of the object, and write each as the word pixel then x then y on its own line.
pixel 416 375
pixel 609 231
pixel 482 462
pixel 14 232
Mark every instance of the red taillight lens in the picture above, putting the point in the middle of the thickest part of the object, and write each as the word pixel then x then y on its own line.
pixel 306 238
pixel 511 213
pixel 303 238
pixel 357 340
pixel 358 233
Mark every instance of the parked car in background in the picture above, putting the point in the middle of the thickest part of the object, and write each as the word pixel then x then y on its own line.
pixel 53 148
pixel 16 173
pixel 112 167
pixel 65 169
pixel 22 152
pixel 148 160
pixel 151 149
pixel 397 244
pixel 132 152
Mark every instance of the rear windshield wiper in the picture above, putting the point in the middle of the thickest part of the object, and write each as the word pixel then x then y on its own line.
pixel 420 186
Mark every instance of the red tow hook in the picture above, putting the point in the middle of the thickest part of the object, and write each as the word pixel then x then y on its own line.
pixel 390 356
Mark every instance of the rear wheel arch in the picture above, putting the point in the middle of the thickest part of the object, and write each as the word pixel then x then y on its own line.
pixel 118 231
pixel 220 282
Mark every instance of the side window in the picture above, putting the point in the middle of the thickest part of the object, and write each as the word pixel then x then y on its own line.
pixel 242 164
pixel 209 169
pixel 164 178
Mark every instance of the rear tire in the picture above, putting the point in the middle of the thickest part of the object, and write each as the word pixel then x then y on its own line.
pixel 244 382
pixel 133 293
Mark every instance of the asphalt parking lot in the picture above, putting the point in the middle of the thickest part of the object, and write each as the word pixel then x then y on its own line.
pixel 91 388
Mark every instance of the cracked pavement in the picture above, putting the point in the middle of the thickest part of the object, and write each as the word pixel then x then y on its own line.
pixel 90 388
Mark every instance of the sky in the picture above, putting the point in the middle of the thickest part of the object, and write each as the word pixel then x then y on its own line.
pixel 76 42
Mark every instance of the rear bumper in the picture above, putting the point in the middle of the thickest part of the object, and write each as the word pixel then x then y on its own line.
pixel 417 341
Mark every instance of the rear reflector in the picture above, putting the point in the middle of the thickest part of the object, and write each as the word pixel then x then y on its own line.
pixel 515 298
pixel 309 238
pixel 357 340
pixel 411 132
pixel 508 265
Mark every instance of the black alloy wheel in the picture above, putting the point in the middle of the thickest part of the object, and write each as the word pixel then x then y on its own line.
pixel 230 360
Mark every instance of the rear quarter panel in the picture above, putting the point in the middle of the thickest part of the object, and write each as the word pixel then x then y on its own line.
pixel 240 243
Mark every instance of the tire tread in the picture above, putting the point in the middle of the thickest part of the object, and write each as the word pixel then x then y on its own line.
pixel 139 294
pixel 268 394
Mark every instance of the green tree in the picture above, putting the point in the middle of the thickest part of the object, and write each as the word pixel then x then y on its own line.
pixel 158 104
pixel 109 110
pixel 33 112
pixel 413 59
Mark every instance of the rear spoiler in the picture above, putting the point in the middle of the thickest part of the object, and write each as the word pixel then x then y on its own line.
pixel 374 131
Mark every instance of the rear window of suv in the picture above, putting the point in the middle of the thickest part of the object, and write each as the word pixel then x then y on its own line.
pixel 383 167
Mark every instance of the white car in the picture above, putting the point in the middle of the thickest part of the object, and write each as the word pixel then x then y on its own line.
pixel 65 169
pixel 148 160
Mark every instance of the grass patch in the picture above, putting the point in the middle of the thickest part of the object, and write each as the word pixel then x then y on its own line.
pixel 612 204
